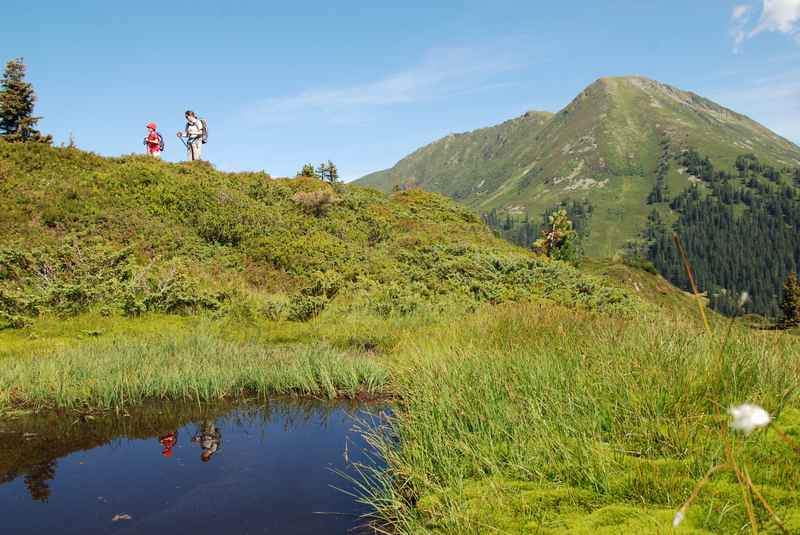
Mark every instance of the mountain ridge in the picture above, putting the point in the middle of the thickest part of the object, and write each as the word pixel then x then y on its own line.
pixel 605 145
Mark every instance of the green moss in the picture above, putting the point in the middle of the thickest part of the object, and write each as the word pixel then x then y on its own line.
pixel 506 506
pixel 652 480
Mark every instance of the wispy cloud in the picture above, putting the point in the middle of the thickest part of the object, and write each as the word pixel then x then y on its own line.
pixel 741 11
pixel 782 16
pixel 443 72
pixel 739 19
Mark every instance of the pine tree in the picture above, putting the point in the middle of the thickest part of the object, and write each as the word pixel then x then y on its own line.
pixel 308 170
pixel 333 172
pixel 558 239
pixel 322 171
pixel 791 301
pixel 16 107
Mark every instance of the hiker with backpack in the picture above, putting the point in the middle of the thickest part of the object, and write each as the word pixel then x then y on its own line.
pixel 153 141
pixel 196 134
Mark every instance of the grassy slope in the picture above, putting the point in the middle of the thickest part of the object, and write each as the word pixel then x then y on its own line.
pixel 611 131
pixel 464 166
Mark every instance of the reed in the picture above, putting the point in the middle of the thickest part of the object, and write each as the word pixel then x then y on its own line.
pixel 182 365
pixel 535 419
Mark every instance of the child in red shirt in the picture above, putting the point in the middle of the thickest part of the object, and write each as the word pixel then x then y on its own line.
pixel 153 141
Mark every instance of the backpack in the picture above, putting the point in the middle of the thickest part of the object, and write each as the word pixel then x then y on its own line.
pixel 204 135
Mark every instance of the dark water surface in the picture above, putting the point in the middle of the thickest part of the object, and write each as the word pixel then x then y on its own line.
pixel 255 468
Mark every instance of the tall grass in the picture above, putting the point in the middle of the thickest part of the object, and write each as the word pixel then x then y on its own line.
pixel 528 416
pixel 182 365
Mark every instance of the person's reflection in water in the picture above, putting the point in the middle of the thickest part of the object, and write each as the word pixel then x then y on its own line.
pixel 209 438
pixel 37 478
pixel 168 441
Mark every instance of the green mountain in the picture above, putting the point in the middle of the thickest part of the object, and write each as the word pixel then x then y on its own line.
pixel 613 145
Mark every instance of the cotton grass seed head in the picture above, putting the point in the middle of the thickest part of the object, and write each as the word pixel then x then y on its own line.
pixel 678 519
pixel 747 417
pixel 744 299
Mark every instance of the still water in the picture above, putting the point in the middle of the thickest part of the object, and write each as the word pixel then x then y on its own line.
pixel 174 468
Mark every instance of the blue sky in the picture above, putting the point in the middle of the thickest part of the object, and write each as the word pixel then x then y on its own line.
pixel 365 83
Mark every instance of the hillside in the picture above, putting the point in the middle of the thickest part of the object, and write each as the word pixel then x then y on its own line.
pixel 605 146
pixel 132 235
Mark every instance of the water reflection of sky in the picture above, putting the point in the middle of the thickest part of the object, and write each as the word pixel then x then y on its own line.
pixel 271 471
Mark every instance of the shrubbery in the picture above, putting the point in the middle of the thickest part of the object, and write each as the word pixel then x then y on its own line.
pixel 73 279
pixel 134 235
pixel 317 202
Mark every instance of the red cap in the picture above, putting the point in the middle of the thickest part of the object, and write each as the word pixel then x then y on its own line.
pixel 167 453
pixel 151 125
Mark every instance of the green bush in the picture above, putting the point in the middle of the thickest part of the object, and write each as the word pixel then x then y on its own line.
pixel 305 307
pixel 397 300
pixel 324 284
pixel 177 293
pixel 275 308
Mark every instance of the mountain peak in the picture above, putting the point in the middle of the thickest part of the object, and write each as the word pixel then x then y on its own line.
pixel 607 146
pixel 612 85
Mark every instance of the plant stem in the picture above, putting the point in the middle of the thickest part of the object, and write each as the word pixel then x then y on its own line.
pixel 689 274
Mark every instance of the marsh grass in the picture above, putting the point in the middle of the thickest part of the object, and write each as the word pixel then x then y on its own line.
pixel 93 361
pixel 198 364
pixel 537 419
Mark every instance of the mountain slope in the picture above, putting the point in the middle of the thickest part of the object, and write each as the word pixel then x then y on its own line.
pixel 609 146
pixel 460 164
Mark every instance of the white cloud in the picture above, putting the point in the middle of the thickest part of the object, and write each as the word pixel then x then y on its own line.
pixel 782 16
pixel 778 16
pixel 443 72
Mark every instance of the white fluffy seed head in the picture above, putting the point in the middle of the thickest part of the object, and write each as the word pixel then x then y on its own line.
pixel 744 299
pixel 678 519
pixel 747 417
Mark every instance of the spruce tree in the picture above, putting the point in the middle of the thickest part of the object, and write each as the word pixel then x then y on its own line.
pixel 308 170
pixel 322 171
pixel 791 301
pixel 558 238
pixel 16 107
pixel 333 172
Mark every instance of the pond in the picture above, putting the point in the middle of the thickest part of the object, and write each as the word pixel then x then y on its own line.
pixel 263 467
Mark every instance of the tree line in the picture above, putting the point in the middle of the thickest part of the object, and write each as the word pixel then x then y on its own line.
pixel 326 171
pixel 740 229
